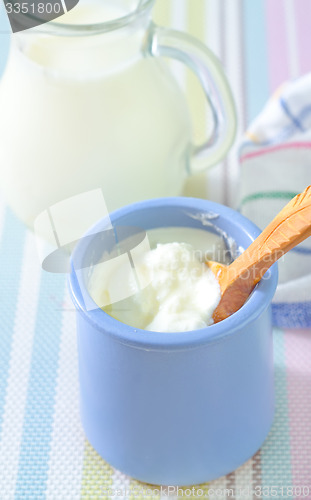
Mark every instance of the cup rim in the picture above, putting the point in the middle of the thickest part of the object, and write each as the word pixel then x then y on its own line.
pixel 258 301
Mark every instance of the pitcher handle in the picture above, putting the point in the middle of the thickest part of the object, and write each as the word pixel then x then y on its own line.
pixel 190 51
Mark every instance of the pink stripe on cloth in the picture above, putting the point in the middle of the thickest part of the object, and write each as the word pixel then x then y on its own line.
pixel 273 149
pixel 298 361
pixel 303 16
pixel 278 61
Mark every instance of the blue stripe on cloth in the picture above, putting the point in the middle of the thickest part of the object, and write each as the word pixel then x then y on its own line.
pixel 282 135
pixel 301 250
pixel 276 473
pixel 39 412
pixel 288 113
pixel 11 258
pixel 292 315
pixel 256 56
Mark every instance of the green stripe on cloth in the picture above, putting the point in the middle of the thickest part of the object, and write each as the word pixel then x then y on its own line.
pixel 96 475
pixel 197 491
pixel 280 195
pixel 144 491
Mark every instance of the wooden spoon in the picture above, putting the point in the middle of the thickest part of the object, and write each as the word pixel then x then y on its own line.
pixel 289 228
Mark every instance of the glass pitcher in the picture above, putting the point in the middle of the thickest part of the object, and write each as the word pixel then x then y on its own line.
pixel 87 104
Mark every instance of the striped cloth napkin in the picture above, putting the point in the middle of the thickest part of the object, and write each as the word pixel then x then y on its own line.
pixel 275 159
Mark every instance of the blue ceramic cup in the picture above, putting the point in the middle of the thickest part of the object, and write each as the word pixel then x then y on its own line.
pixel 176 408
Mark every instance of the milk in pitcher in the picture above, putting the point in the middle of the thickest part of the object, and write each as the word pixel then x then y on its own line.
pixel 84 112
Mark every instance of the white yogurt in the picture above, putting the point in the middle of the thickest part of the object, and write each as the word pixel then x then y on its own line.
pixel 181 296
pixel 183 292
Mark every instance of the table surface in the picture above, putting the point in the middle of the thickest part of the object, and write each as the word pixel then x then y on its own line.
pixel 43 452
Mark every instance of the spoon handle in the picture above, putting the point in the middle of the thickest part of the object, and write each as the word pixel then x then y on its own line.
pixel 289 228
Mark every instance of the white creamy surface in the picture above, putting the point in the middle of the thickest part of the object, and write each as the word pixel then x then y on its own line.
pixel 182 293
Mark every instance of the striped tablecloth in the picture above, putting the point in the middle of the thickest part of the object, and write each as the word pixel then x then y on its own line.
pixel 43 452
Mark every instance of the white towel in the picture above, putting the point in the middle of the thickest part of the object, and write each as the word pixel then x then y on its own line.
pixel 275 159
